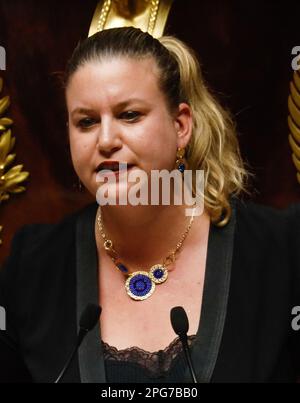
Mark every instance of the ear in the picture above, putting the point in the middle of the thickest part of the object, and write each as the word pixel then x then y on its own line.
pixel 183 124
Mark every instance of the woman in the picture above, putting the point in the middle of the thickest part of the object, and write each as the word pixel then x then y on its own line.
pixel 136 100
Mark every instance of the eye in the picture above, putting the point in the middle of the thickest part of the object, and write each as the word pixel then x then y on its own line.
pixel 86 123
pixel 130 116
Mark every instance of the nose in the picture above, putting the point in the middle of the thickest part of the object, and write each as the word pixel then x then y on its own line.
pixel 109 137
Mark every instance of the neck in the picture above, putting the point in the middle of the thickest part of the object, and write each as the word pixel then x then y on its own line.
pixel 145 235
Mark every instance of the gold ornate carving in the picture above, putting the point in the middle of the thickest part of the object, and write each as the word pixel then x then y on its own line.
pixel 148 15
pixel 11 177
pixel 294 120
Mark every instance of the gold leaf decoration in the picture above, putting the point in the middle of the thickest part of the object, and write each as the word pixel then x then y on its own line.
pixel 11 177
pixel 294 120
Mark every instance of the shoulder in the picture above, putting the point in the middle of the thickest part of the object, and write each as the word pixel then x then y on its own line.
pixel 255 213
pixel 32 239
pixel 267 235
pixel 37 249
pixel 41 262
pixel 261 222
pixel 265 219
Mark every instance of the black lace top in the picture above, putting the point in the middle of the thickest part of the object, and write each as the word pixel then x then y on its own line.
pixel 166 365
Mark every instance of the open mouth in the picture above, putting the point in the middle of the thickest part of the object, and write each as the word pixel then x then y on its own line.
pixel 114 168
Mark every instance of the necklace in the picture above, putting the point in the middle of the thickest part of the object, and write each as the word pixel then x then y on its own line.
pixel 140 284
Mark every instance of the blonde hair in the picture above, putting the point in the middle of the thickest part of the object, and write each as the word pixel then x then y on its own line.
pixel 213 146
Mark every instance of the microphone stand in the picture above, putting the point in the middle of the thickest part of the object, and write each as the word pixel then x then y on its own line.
pixel 186 350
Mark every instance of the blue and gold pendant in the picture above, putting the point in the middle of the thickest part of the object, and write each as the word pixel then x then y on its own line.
pixel 158 273
pixel 140 285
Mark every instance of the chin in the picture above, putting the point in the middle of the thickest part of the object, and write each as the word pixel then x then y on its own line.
pixel 115 194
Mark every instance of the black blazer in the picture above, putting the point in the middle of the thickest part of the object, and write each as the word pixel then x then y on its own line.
pixel 252 282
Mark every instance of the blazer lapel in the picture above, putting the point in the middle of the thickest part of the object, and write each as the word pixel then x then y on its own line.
pixel 206 347
pixel 90 355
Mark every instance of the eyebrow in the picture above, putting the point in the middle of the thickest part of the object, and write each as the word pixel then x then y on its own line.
pixel 119 105
pixel 82 111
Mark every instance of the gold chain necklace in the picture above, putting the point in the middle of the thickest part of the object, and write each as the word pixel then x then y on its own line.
pixel 140 284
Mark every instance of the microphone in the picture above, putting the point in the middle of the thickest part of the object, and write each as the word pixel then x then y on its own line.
pixel 88 320
pixel 180 325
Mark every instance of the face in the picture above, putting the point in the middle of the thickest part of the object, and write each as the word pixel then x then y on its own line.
pixel 118 113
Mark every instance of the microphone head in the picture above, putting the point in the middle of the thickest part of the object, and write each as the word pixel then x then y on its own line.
pixel 90 317
pixel 179 320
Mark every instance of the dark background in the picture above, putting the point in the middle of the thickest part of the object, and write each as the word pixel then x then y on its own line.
pixel 245 52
